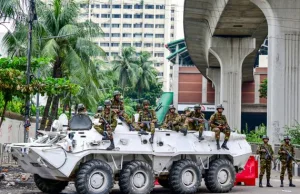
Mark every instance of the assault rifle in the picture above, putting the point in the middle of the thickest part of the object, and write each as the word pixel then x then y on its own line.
pixel 289 156
pixel 105 123
pixel 147 123
pixel 170 125
pixel 268 155
pixel 219 124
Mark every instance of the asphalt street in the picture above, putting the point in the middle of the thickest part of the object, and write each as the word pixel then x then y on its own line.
pixel 159 190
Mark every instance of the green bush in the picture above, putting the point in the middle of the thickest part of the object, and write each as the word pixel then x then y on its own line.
pixel 255 136
pixel 294 133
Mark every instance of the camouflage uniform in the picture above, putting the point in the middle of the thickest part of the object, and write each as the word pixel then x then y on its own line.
pixel 184 116
pixel 284 163
pixel 265 161
pixel 99 112
pixel 195 125
pixel 135 124
pixel 148 115
pixel 174 118
pixel 221 119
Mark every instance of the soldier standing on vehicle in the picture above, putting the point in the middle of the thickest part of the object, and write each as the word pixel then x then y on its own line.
pixel 195 121
pixel 284 151
pixel 265 160
pixel 218 123
pixel 106 129
pixel 172 119
pixel 99 112
pixel 147 116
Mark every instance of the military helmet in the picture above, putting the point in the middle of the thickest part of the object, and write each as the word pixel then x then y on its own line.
pixel 138 106
pixel 220 106
pixel 80 107
pixel 117 93
pixel 100 108
pixel 172 107
pixel 107 102
pixel 146 102
pixel 197 106
pixel 265 137
pixel 187 109
pixel 286 137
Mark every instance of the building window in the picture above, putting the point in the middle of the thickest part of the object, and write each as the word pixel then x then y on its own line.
pixel 172 27
pixel 160 73
pixel 157 64
pixel 137 35
pixel 104 15
pixel 115 25
pixel 116 6
pixel 159 35
pixel 137 44
pixel 104 44
pixel 149 6
pixel 126 44
pixel 106 35
pixel 92 6
pixel 98 6
pixel 148 45
pixel 115 34
pixel 172 18
pixel 148 35
pixel 160 6
pixel 105 6
pixel 96 15
pixel 159 45
pixel 138 15
pixel 160 16
pixel 172 11
pixel 105 25
pixel 127 6
pixel 172 35
pixel 137 6
pixel 158 54
pixel 149 16
pixel 149 25
pixel 138 25
pixel 114 44
pixel 159 25
pixel 127 16
pixel 116 15
pixel 83 6
pixel 127 25
pixel 126 34
pixel 114 54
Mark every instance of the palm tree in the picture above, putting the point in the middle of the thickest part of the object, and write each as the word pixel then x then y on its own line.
pixel 146 71
pixel 67 42
pixel 126 67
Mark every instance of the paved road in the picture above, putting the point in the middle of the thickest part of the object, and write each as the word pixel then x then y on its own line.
pixel 158 190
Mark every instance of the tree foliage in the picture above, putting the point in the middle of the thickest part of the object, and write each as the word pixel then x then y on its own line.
pixel 263 89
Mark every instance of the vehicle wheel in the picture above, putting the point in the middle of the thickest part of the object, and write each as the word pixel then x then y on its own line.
pixel 137 177
pixel 163 181
pixel 185 177
pixel 220 176
pixel 94 177
pixel 48 185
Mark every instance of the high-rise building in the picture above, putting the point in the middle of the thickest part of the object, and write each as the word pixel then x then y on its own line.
pixel 146 25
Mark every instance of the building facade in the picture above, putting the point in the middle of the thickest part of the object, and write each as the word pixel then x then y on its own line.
pixel 146 25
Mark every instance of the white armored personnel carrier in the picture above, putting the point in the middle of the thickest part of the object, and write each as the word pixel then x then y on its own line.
pixel 180 162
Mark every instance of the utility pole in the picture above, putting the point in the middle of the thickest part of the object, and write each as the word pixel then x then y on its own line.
pixel 32 16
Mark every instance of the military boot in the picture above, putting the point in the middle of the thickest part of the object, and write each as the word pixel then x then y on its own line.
pixel 281 185
pixel 184 131
pixel 218 144
pixel 260 182
pixel 224 145
pixel 200 138
pixel 268 183
pixel 291 184
pixel 151 138
pixel 105 136
pixel 112 145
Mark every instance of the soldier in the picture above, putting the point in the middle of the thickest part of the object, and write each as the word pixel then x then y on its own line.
pixel 99 112
pixel 81 109
pixel 218 123
pixel 172 119
pixel 117 104
pixel 183 116
pixel 195 121
pixel 138 108
pixel 106 129
pixel 286 162
pixel 265 160
pixel 149 116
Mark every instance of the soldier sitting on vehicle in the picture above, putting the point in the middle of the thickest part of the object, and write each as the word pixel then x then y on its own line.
pixel 147 119
pixel 172 120
pixel 108 124
pixel 99 112
pixel 135 124
pixel 195 121
pixel 218 123
pixel 81 109
pixel 183 116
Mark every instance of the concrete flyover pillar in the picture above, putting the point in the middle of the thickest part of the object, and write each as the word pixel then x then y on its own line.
pixel 284 65
pixel 214 75
pixel 231 53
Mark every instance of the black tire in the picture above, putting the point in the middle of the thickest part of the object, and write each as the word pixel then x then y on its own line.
pixel 164 181
pixel 137 177
pixel 220 176
pixel 181 169
pixel 48 185
pixel 89 174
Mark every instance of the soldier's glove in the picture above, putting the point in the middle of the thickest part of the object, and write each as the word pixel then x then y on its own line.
pixel 101 121
pixel 283 152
